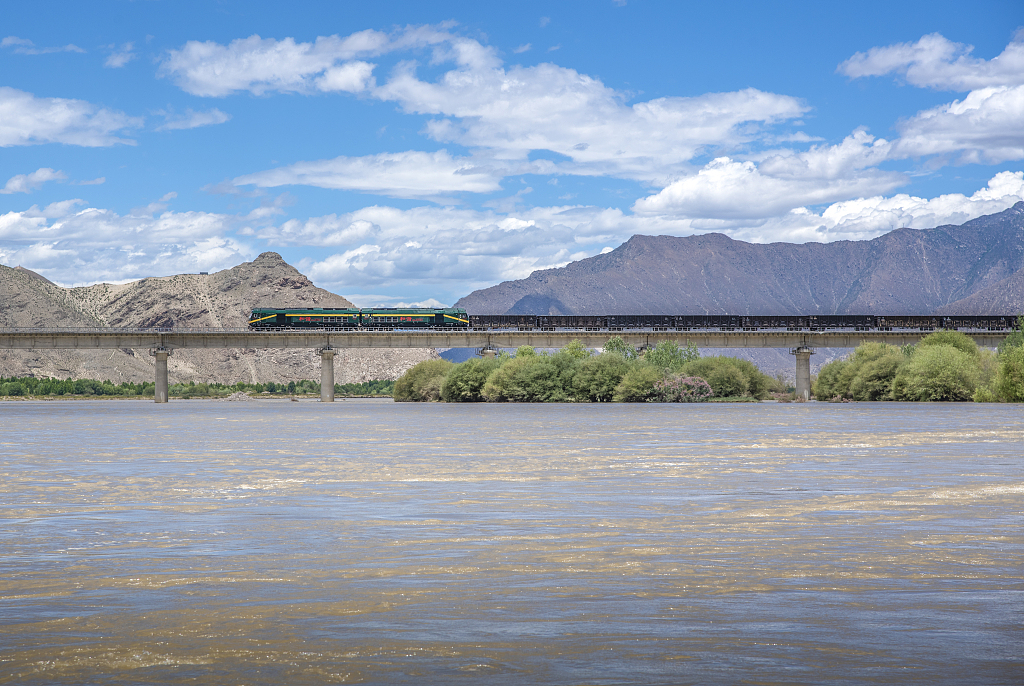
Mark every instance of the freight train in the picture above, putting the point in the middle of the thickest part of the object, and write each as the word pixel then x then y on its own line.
pixel 396 318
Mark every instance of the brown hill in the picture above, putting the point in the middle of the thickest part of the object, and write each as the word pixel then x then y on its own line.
pixel 222 299
pixel 907 271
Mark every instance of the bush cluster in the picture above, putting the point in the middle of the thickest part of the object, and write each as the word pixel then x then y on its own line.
pixel 945 365
pixel 665 373
pixel 23 386
pixel 31 386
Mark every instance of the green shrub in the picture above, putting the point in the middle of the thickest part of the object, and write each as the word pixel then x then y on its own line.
pixel 730 376
pixel 830 382
pixel 1010 379
pixel 529 379
pixel 577 350
pixel 637 385
pixel 597 377
pixel 867 374
pixel 985 394
pixel 465 381
pixel 936 372
pixel 668 355
pixel 874 368
pixel 617 346
pixel 955 339
pixel 12 388
pixel 422 382
pixel 1015 339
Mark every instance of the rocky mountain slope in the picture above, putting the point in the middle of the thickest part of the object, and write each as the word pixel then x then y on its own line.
pixel 222 299
pixel 907 271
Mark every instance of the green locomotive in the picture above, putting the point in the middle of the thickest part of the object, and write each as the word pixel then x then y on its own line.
pixel 368 318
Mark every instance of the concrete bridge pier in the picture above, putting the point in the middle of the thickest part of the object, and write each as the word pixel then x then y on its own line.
pixel 803 371
pixel 161 354
pixel 326 375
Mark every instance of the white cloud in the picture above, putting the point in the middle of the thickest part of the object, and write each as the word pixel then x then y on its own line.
pixel 730 189
pixel 120 57
pixel 522 48
pixel 409 174
pixel 351 77
pixel 264 65
pixel 936 62
pixel 870 217
pixel 505 113
pixel 192 120
pixel 71 245
pixel 91 182
pixel 26 183
pixel 24 46
pixel 451 248
pixel 28 120
pixel 511 112
pixel 987 126
pixel 984 127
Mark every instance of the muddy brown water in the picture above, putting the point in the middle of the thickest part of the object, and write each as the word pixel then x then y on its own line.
pixel 365 541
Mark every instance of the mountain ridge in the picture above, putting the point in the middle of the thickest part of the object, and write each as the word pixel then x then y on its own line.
pixel 906 271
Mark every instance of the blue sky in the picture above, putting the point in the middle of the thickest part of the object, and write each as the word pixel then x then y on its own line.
pixel 410 152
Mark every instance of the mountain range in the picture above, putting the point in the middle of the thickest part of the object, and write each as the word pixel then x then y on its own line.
pixel 973 268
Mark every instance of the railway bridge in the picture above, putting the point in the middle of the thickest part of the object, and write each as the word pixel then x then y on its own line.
pixel 163 342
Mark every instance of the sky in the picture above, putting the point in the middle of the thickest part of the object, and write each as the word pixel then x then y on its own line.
pixel 406 153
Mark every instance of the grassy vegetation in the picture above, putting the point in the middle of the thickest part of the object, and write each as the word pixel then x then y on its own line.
pixel 84 388
pixel 666 373
pixel 946 365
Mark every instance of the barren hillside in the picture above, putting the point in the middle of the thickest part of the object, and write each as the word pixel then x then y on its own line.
pixel 222 299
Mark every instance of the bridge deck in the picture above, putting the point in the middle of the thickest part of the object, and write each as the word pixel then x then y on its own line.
pixel 40 339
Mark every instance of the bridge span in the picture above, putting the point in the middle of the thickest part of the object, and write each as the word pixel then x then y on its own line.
pixel 162 342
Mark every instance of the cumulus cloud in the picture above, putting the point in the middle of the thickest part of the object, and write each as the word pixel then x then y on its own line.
pixel 192 120
pixel 870 217
pixel 351 77
pixel 265 65
pixel 984 127
pixel 481 104
pixel 409 174
pixel 24 46
pixel 120 56
pixel 73 245
pixel 28 120
pixel 26 183
pixel 937 62
pixel 730 189
pixel 512 111
pixel 987 126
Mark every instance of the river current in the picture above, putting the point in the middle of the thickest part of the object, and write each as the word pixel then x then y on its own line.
pixel 365 541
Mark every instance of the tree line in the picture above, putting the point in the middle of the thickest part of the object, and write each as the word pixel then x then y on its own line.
pixel 945 365
pixel 620 373
pixel 46 387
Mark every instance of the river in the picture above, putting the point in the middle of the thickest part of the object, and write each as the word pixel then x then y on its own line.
pixel 274 542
